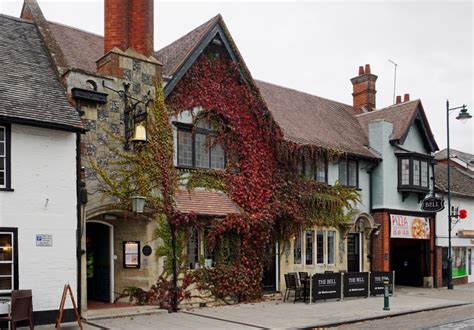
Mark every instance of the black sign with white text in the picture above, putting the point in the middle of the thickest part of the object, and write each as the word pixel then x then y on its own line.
pixel 326 286
pixel 376 282
pixel 432 204
pixel 356 284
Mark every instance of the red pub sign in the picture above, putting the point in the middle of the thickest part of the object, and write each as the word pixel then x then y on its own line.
pixel 404 226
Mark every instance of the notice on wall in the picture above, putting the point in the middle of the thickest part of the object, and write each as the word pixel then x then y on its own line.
pixel 44 240
pixel 404 226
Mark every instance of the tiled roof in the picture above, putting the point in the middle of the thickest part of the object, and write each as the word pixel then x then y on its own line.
pixel 80 48
pixel 29 88
pixel 464 156
pixel 309 119
pixel 205 202
pixel 400 115
pixel 173 55
pixel 462 182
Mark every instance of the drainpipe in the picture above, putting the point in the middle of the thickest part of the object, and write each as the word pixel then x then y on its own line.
pixel 79 218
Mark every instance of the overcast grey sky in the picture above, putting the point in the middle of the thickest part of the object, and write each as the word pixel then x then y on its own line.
pixel 317 46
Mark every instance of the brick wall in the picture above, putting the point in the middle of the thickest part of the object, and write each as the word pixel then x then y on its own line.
pixel 381 243
pixel 439 267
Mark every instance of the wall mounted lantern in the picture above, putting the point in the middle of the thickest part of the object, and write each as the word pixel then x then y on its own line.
pixel 135 115
pixel 138 204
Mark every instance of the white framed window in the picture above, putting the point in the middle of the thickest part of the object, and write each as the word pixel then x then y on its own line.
pixel 193 248
pixel 297 250
pixel 309 247
pixel 7 262
pixel 331 250
pixel 5 156
pixel 320 247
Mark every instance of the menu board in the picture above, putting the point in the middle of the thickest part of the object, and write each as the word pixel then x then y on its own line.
pixel 404 226
pixel 131 254
pixel 326 286
pixel 356 284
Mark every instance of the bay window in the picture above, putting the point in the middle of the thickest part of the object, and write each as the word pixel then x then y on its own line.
pixel 413 173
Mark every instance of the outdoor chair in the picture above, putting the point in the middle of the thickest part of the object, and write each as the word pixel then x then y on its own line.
pixel 292 285
pixel 303 275
pixel 21 308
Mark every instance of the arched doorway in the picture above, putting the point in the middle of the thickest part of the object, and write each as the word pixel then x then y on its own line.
pixel 100 266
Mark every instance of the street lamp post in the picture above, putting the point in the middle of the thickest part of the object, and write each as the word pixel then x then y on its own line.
pixel 463 117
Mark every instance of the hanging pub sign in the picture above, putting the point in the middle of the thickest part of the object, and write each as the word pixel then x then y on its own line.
pixel 404 226
pixel 376 282
pixel 326 286
pixel 356 284
pixel 432 204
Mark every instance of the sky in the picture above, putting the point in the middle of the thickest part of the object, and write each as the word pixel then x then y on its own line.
pixel 317 46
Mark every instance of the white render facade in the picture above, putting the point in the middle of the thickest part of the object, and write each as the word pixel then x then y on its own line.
pixel 39 213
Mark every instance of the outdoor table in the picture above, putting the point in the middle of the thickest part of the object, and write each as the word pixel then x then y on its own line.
pixel 304 282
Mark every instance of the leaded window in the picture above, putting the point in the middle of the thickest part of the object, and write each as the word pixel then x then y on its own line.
pixel 198 148
pixel 348 173
pixel 297 249
pixel 309 237
pixel 320 247
pixel 331 247
pixel 413 174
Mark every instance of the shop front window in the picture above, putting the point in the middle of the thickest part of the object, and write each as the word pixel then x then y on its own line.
pixel 8 268
pixel 459 262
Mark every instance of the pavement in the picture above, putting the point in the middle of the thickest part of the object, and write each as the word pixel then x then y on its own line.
pixel 279 315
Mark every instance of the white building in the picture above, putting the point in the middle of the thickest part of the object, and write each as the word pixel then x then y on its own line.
pixel 39 134
pixel 462 197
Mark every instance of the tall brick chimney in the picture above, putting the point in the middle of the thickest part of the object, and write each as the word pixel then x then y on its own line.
pixel 129 24
pixel 364 89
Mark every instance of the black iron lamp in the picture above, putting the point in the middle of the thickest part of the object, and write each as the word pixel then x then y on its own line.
pixel 463 116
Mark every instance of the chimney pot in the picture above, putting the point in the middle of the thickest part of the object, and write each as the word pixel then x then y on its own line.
pixel 406 97
pixel 363 89
pixel 367 68
pixel 399 99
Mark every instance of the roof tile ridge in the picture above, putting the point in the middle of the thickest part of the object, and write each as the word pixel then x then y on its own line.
pixel 18 19
pixel 306 93
pixel 75 28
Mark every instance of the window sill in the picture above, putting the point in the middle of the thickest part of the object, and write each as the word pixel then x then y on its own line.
pixel 7 189
pixel 415 189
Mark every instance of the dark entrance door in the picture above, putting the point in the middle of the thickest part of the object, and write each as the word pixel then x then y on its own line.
pixel 270 270
pixel 98 262
pixel 353 252
pixel 406 260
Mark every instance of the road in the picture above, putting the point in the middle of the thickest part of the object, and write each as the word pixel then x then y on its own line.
pixel 461 317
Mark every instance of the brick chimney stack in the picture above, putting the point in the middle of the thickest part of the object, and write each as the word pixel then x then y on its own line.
pixel 129 24
pixel 364 89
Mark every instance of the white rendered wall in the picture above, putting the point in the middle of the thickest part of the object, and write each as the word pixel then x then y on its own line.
pixel 43 177
pixel 466 224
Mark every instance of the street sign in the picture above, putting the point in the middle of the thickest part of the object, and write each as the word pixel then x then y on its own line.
pixel 432 204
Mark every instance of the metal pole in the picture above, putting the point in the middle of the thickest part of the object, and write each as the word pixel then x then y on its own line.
pixel 394 79
pixel 174 298
pixel 450 257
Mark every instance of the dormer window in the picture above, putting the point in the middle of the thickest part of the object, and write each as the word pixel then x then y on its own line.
pixel 197 148
pixel 413 173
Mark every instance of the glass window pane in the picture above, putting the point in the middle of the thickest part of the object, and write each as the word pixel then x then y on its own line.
pixel 6 269
pixel 2 179
pixel 202 151
pixel 309 247
pixel 331 247
pixel 2 133
pixel 405 172
pixel 320 247
pixel 217 156
pixel 203 123
pixel 416 172
pixel 6 247
pixel 424 174
pixel 209 255
pixel 185 148
pixel 343 172
pixel 321 170
pixel 297 249
pixel 6 283
pixel 2 149
pixel 352 173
